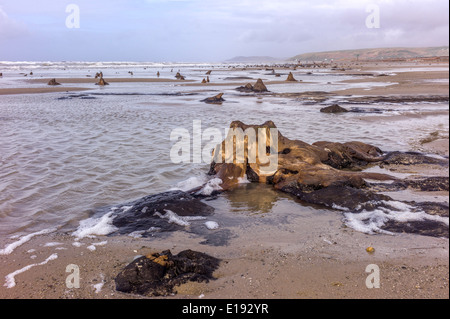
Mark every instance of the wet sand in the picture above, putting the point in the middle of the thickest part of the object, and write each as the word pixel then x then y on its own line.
pixel 405 83
pixel 40 90
pixel 308 256
pixel 318 258
pixel 109 80
pixel 439 146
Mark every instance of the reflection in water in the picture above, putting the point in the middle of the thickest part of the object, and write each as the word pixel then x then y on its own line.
pixel 254 199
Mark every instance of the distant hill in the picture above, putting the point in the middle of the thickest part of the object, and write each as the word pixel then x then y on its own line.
pixel 254 59
pixel 374 54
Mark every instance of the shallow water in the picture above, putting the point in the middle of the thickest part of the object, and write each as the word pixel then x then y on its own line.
pixel 62 155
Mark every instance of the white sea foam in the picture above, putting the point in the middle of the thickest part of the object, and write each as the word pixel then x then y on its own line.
pixel 212 225
pixel 173 218
pixel 10 278
pixel 190 183
pixel 93 246
pixel 138 233
pixel 371 222
pixel 337 207
pixel 243 180
pixel 10 248
pixel 100 226
pixel 211 186
pixel 98 287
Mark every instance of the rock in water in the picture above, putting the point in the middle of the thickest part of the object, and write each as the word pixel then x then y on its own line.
pixel 326 173
pixel 102 82
pixel 180 77
pixel 165 211
pixel 335 108
pixel 293 161
pixel 157 275
pixel 204 81
pixel 158 74
pixel 215 99
pixel 1 74
pixel 53 82
pixel 291 78
pixel 260 87
pixel 248 88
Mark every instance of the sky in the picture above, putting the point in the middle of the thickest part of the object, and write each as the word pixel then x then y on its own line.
pixel 212 30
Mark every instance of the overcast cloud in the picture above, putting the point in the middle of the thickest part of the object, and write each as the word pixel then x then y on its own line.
pixel 212 30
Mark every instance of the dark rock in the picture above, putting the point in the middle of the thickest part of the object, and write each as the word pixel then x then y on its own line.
pixel 53 82
pixel 433 208
pixel 425 228
pixel 334 109
pixel 259 87
pixel 141 217
pixel 180 77
pixel 412 158
pixel 215 99
pixel 338 196
pixel 248 88
pixel 158 274
pixel 353 155
pixel 370 110
pixel 102 82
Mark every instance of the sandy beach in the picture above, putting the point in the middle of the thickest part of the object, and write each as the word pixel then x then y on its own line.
pixel 302 263
pixel 312 255
pixel 405 83
pixel 13 91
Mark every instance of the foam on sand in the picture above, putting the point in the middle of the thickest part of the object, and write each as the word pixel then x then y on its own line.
pixel 371 222
pixel 211 186
pixel 10 278
pixel 211 225
pixel 173 218
pixel 10 248
pixel 98 287
pixel 100 226
pixel 93 246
